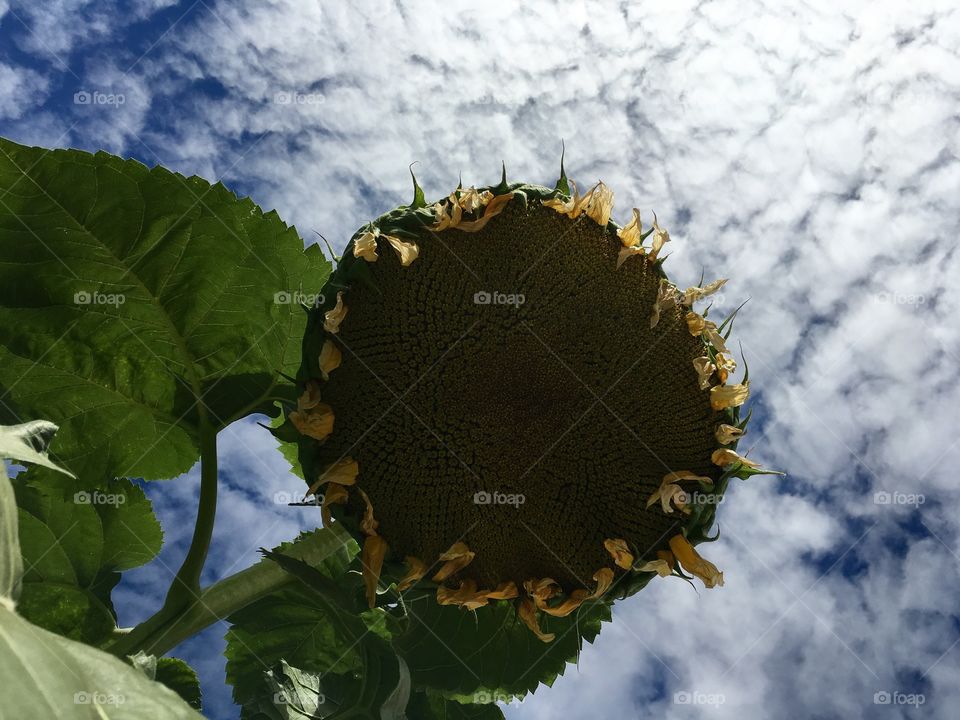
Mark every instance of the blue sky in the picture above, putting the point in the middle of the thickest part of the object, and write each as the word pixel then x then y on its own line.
pixel 806 152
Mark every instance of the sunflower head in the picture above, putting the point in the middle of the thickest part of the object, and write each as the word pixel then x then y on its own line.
pixel 505 394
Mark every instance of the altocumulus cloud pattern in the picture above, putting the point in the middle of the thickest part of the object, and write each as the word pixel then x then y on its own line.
pixel 808 150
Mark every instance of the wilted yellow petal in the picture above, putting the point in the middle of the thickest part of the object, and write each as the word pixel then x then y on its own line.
pixel 604 578
pixel 574 601
pixel 494 208
pixel 666 299
pixel 670 494
pixel 714 336
pixel 528 614
pixel 310 397
pixel 369 523
pixel 726 434
pixel 330 358
pixel 704 369
pixel 371 559
pixel 504 591
pixel 342 472
pixel 660 238
pixel 565 207
pixel 692 294
pixel 725 456
pixel 317 422
pixel 660 567
pixel 456 558
pixel 333 494
pixel 724 396
pixel 694 564
pixel 597 204
pixel 447 213
pixel 471 200
pixel 542 590
pixel 630 233
pixel 620 552
pixel 695 323
pixel 627 253
pixel 466 596
pixel 416 569
pixel 365 246
pixel 333 318
pixel 406 251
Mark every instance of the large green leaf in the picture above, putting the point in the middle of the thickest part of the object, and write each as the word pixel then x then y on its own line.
pixel 45 675
pixel 137 304
pixel 74 542
pixel 292 625
pixel 489 654
pixel 175 673
pixel 432 706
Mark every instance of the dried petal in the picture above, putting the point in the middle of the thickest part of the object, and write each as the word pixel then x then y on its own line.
pixel 725 456
pixel 695 323
pixel 365 246
pixel 466 596
pixel 528 614
pixel 666 299
pixel 660 567
pixel 542 590
pixel 416 569
pixel 725 365
pixel 660 238
pixel 694 564
pixel 726 434
pixel 317 422
pixel 369 524
pixel 406 251
pixel 704 369
pixel 494 208
pixel 333 318
pixel 342 472
pixel 504 591
pixel 627 253
pixel 604 578
pixel 630 233
pixel 371 559
pixel 330 358
pixel 692 294
pixel 724 396
pixel 620 552
pixel 333 494
pixel 598 204
pixel 574 601
pixel 456 558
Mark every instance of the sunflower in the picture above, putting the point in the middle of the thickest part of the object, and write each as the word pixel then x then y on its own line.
pixel 515 400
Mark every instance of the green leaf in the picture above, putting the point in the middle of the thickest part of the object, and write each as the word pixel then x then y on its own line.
pixel 292 624
pixel 491 652
pixel 73 543
pixel 137 304
pixel 181 678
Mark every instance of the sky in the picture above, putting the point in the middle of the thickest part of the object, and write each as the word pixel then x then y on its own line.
pixel 806 151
